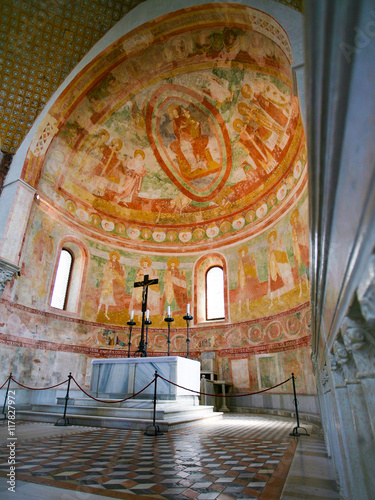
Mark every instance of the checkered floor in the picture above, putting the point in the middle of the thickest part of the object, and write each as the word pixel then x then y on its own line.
pixel 229 459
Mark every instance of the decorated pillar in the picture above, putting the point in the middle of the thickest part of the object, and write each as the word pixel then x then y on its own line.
pixel 333 438
pixel 359 342
pixel 359 414
pixel 354 473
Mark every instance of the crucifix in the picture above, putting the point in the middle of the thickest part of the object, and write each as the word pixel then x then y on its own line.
pixel 145 284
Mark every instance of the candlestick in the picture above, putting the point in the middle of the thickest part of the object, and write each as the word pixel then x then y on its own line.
pixel 187 318
pixel 131 323
pixel 147 323
pixel 169 321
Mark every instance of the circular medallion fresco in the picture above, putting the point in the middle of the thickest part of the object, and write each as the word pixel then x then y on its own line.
pixel 181 134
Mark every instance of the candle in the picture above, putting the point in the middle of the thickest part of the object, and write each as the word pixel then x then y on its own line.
pixel 169 311
pixel 147 314
pixel 188 310
pixel 132 316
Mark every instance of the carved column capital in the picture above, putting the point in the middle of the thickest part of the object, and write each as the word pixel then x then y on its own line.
pixel 7 271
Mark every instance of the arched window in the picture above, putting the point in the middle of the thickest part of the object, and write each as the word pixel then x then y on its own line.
pixel 211 294
pixel 69 276
pixel 215 305
pixel 63 275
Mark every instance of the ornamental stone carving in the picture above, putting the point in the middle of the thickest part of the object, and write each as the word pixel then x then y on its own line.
pixel 324 377
pixel 336 371
pixel 333 361
pixel 314 363
pixel 345 361
pixel 342 355
pixel 359 342
pixel 366 294
pixel 7 271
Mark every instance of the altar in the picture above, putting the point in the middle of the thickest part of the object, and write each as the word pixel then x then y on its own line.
pixel 122 377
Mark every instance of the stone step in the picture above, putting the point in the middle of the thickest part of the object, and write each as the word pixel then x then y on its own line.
pixel 165 425
pixel 163 412
pixel 130 403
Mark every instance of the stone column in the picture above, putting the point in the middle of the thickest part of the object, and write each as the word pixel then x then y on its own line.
pixel 333 437
pixel 322 405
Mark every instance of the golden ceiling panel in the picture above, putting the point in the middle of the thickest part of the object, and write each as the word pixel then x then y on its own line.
pixel 40 43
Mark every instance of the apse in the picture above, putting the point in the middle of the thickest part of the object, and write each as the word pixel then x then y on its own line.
pixel 177 148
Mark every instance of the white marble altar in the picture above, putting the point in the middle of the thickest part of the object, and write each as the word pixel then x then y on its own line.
pixel 123 377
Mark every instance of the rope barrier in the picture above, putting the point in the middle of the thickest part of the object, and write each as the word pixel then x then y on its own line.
pixel 112 400
pixel 225 395
pixel 38 388
pixel 4 383
pixel 155 430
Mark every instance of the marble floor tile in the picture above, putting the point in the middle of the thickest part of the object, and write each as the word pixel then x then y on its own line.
pixel 237 457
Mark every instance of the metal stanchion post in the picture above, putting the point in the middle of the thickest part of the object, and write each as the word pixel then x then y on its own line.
pixel 64 418
pixel 147 323
pixel 169 321
pixel 4 416
pixel 154 431
pixel 295 430
pixel 187 318
pixel 131 323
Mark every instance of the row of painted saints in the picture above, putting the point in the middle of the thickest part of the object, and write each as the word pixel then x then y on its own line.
pixel 112 287
pixel 281 277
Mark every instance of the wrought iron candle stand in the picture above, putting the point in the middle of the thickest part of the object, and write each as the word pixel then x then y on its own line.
pixel 147 323
pixel 169 321
pixel 131 323
pixel 187 318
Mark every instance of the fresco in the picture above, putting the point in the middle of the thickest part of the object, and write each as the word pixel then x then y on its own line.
pixel 28 322
pixel 270 272
pixel 112 285
pixel 179 147
pixel 178 135
pixel 265 275
pixel 268 371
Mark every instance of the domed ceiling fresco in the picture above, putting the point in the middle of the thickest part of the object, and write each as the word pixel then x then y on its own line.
pixel 185 134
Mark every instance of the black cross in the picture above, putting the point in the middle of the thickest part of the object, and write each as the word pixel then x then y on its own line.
pixel 145 284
